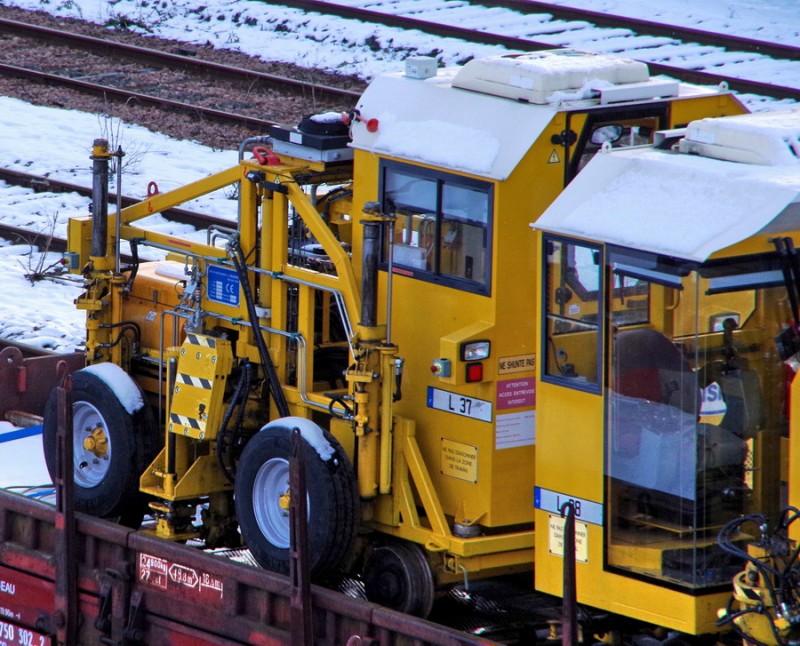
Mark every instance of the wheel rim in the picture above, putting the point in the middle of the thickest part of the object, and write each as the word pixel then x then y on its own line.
pixel 271 502
pixel 91 445
pixel 399 577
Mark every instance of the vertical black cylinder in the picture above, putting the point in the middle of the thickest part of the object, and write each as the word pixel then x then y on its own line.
pixel 100 159
pixel 369 275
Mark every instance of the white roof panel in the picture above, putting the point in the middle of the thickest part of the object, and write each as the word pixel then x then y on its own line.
pixel 675 204
pixel 430 122
pixel 535 76
pixel 433 122
pixel 768 138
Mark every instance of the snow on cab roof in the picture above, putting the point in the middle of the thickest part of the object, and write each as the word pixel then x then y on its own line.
pixel 482 118
pixel 684 205
pixel 769 138
pixel 536 76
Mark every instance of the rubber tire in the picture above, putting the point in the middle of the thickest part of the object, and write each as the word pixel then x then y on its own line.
pixel 333 505
pixel 133 441
pixel 398 576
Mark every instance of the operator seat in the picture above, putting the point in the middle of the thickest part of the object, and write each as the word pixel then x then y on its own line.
pixel 667 464
pixel 647 365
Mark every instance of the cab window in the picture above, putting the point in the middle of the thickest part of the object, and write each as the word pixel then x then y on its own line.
pixel 442 227
pixel 616 129
pixel 573 273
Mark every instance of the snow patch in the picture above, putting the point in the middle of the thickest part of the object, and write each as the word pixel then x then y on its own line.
pixel 327 117
pixel 310 432
pixel 125 389
pixel 587 91
pixel 438 142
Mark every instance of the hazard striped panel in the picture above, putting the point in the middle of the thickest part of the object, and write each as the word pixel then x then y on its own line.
pixel 189 380
pixel 203 368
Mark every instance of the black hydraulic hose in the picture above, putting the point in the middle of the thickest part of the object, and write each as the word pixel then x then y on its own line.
pixel 784 580
pixel 790 574
pixel 125 328
pixel 342 401
pixel 775 596
pixel 727 546
pixel 275 389
pixel 237 425
pixel 239 398
pixel 730 618
pixel 785 522
pixel 134 266
pixel 243 402
pixel 786 519
pixel 725 542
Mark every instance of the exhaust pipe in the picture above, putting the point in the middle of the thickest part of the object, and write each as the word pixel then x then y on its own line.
pixel 100 158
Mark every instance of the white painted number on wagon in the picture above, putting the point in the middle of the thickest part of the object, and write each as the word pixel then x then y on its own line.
pixel 12 635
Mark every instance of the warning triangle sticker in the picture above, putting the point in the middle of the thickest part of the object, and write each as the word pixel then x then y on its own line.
pixel 554 159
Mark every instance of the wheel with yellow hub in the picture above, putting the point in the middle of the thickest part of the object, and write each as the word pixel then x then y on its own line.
pixel 263 497
pixel 113 441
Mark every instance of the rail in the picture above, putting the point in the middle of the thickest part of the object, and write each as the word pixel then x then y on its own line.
pixel 606 20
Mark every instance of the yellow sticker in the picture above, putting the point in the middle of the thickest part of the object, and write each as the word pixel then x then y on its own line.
pixel 554 158
pixel 556 538
pixel 517 363
pixel 459 460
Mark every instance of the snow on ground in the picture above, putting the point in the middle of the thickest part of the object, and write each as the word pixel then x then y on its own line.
pixel 20 470
pixel 769 20
pixel 42 313
pixel 351 47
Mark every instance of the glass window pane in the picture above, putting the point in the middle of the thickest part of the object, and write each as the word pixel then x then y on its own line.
pixel 465 203
pixel 409 191
pixel 695 413
pixel 442 226
pixel 414 237
pixel 572 274
pixel 622 133
pixel 464 233
pixel 629 300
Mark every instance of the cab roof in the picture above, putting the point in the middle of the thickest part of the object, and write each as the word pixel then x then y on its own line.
pixel 483 118
pixel 694 203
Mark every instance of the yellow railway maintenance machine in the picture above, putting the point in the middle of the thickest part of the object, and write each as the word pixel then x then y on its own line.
pixel 377 289
pixel 668 343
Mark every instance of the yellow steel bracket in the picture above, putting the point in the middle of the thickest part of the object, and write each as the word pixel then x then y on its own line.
pixel 203 368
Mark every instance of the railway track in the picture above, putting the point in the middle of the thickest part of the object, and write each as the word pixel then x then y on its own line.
pixel 188 60
pixel 48 240
pixel 536 25
pixel 40 184
pixel 183 92
pixel 189 75
pixel 643 40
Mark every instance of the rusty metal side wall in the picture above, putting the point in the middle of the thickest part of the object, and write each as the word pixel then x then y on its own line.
pixel 145 590
pixel 26 380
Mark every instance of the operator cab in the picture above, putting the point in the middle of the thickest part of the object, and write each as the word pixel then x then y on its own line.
pixel 670 323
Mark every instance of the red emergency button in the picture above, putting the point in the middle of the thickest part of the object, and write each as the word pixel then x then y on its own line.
pixel 441 367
